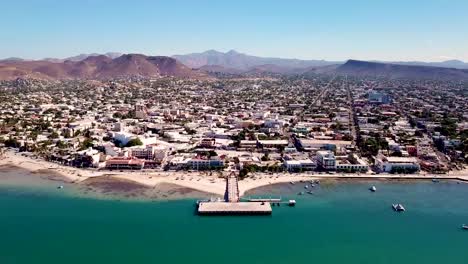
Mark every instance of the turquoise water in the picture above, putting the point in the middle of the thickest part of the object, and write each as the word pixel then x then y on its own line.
pixel 341 223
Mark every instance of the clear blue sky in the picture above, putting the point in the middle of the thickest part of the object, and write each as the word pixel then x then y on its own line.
pixel 430 30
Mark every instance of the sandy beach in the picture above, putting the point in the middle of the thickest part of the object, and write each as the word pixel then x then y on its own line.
pixel 185 182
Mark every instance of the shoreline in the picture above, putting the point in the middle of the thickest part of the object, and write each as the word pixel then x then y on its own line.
pixel 200 181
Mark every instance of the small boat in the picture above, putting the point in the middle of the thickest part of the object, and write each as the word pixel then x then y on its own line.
pixel 398 207
pixel 292 202
pixel 301 193
pixel 373 189
pixel 435 180
pixel 292 183
pixel 313 185
pixel 306 187
pixel 60 187
pixel 310 192
pixel 465 227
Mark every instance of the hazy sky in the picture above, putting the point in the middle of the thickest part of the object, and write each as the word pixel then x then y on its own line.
pixel 429 30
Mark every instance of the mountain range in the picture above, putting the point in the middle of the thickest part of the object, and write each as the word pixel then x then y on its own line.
pixel 396 71
pixel 235 60
pixel 98 67
pixel 214 63
pixel 112 55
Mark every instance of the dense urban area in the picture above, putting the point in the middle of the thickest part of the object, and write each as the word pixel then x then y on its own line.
pixel 317 124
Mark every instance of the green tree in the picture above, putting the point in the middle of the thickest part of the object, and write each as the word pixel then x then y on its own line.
pixel 134 142
pixel 87 143
pixel 54 135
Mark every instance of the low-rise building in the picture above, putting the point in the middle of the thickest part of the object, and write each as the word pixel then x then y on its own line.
pixel 300 165
pixel 205 164
pixel 208 143
pixel 313 144
pixel 397 164
pixel 273 143
pixel 122 163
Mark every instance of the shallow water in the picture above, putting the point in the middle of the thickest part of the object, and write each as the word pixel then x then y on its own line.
pixel 340 223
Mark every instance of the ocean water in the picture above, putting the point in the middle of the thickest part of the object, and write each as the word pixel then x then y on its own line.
pixel 340 223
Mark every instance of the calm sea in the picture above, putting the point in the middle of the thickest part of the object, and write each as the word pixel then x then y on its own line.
pixel 339 223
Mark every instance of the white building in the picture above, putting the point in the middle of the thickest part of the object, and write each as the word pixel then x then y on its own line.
pixel 93 154
pixel 397 164
pixel 205 164
pixel 311 144
pixel 358 165
pixel 151 152
pixel 300 165
pixel 326 160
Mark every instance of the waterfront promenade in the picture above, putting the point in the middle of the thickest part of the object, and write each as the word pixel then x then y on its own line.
pixel 202 181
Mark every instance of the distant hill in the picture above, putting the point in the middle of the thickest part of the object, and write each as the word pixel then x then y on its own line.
pixel 12 59
pixel 235 60
pixel 81 57
pixel 217 64
pixel 397 71
pixel 98 67
pixel 215 70
pixel 457 64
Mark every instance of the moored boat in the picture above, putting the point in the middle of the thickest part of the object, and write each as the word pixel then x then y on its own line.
pixel 398 207
pixel 465 227
pixel 373 189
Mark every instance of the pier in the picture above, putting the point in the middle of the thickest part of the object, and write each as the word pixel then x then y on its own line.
pixel 265 200
pixel 232 204
pixel 238 208
pixel 232 189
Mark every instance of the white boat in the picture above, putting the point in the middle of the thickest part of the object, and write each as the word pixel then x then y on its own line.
pixel 465 227
pixel 398 207
pixel 373 189
pixel 306 187
pixel 60 187
pixel 292 202
pixel 291 183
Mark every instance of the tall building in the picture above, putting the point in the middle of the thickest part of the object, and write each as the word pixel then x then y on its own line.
pixel 150 152
pixel 326 160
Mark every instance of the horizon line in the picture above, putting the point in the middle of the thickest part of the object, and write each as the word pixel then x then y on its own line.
pixel 235 51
